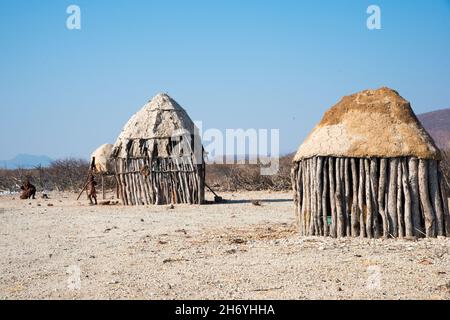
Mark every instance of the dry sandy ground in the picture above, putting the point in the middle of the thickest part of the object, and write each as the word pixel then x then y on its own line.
pixel 229 251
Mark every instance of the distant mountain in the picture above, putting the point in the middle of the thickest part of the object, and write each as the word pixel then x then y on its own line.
pixel 25 161
pixel 437 123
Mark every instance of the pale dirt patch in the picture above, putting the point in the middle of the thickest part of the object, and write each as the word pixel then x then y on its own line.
pixel 226 251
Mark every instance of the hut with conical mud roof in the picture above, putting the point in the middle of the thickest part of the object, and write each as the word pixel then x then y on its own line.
pixel 370 169
pixel 158 156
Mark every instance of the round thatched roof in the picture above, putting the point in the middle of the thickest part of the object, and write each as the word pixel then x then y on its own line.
pixel 162 117
pixel 103 162
pixel 372 123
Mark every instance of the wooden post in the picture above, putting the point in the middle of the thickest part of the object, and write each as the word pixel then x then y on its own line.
pixel 382 196
pixel 103 188
pixel 400 219
pixel 369 215
pixel 361 197
pixel 428 211
pixel 436 197
pixel 304 198
pixel 446 204
pixel 320 210
pixel 347 190
pixel 392 197
pixel 409 228
pixel 339 199
pixel 333 229
pixel 413 176
pixel 325 198
pixel 312 171
pixel 355 211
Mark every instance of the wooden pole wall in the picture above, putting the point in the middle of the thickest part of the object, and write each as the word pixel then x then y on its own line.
pixel 389 197
pixel 160 181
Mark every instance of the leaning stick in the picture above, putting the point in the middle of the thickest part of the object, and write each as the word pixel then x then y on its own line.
pixel 92 166
pixel 81 192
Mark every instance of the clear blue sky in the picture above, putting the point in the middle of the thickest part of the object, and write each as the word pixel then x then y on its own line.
pixel 231 64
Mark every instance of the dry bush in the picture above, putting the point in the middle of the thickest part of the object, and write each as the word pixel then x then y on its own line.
pixel 62 175
pixel 70 175
pixel 231 177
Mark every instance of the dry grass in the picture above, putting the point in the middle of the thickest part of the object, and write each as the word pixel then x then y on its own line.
pixel 61 175
pixel 70 174
pixel 232 177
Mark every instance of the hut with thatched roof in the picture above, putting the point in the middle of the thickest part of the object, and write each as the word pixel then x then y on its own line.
pixel 158 156
pixel 370 169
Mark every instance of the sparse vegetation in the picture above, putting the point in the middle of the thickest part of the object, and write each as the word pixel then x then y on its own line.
pixel 70 175
pixel 231 177
pixel 62 175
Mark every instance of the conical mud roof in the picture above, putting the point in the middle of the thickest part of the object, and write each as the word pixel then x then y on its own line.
pixel 160 118
pixel 371 123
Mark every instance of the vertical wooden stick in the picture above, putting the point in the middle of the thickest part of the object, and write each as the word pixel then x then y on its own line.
pixel 382 196
pixel 312 226
pixel 425 199
pixel 325 198
pixel 339 199
pixel 446 204
pixel 436 197
pixel 400 217
pixel 347 190
pixel 307 215
pixel 333 229
pixel 319 173
pixel 392 197
pixel 361 199
pixel 413 176
pixel 302 213
pixel 409 228
pixel 369 214
pixel 355 211
pixel 374 192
